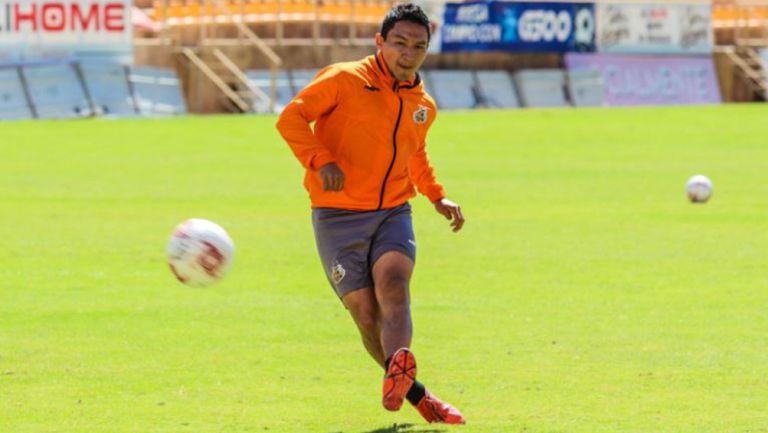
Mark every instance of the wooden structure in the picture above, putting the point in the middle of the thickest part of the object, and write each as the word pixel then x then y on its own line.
pixel 212 43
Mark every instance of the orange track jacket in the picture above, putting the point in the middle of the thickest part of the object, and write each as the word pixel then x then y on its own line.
pixel 372 126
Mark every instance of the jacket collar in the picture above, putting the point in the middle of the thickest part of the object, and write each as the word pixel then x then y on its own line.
pixel 382 70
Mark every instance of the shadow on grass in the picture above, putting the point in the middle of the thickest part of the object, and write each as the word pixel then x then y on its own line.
pixel 405 428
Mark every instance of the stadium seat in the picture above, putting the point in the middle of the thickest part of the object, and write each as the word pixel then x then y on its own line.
pixel 157 91
pixel 302 77
pixel 56 91
pixel 734 15
pixel 541 87
pixel 13 102
pixel 586 87
pixel 178 12
pixel 453 89
pixel 497 89
pixel 262 78
pixel 107 85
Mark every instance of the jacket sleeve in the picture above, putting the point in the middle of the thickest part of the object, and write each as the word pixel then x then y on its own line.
pixel 423 175
pixel 318 98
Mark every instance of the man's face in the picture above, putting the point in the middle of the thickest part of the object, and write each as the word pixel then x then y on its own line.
pixel 405 48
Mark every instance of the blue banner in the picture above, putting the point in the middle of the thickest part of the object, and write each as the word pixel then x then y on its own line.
pixel 526 27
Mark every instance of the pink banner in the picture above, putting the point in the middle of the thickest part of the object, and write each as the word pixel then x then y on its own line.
pixel 652 80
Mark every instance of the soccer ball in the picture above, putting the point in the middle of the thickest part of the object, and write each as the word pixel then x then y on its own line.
pixel 200 252
pixel 699 188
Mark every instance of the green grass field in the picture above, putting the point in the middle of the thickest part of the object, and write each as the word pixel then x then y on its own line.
pixel 584 295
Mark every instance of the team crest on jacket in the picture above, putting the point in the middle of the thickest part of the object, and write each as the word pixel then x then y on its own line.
pixel 420 115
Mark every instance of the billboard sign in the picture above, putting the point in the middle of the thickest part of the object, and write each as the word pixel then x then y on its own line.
pixel 526 27
pixel 41 30
pixel 654 28
pixel 651 80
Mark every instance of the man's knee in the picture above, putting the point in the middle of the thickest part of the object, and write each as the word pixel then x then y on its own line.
pixel 393 296
pixel 368 322
pixel 364 309
pixel 392 275
pixel 395 286
pixel 394 281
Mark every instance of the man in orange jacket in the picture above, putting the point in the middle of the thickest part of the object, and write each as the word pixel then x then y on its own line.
pixel 365 158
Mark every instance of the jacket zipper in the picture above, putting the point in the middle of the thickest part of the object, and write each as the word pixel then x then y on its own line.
pixel 396 87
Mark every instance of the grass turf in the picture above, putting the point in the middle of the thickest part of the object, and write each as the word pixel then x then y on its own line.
pixel 584 295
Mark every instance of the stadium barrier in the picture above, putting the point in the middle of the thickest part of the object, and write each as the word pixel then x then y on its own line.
pixel 14 102
pixel 103 89
pixel 453 89
pixel 87 89
pixel 591 80
pixel 108 87
pixel 586 88
pixel 56 91
pixel 157 91
pixel 497 88
pixel 541 87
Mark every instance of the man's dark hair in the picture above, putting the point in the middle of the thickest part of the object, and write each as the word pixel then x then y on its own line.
pixel 405 12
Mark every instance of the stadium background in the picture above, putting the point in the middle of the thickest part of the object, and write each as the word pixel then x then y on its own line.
pixel 118 58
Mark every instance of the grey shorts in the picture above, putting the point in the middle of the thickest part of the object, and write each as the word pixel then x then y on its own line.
pixel 350 242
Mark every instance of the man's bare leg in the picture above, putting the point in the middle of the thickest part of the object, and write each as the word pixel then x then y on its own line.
pixel 364 309
pixel 391 278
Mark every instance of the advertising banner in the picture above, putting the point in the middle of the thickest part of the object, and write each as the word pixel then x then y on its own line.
pixel 42 30
pixel 645 80
pixel 654 28
pixel 528 27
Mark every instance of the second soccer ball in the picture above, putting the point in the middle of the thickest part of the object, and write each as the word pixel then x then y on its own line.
pixel 699 188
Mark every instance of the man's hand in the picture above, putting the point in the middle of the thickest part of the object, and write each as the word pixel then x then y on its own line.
pixel 332 177
pixel 450 211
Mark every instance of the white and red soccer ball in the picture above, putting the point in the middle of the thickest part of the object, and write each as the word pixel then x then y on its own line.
pixel 200 252
pixel 699 189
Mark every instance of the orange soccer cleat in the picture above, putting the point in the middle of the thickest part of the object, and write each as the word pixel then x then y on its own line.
pixel 434 410
pixel 399 378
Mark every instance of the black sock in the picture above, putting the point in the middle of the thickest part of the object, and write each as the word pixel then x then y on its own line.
pixel 416 393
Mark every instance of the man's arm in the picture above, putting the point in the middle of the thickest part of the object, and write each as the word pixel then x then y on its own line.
pixel 423 176
pixel 318 98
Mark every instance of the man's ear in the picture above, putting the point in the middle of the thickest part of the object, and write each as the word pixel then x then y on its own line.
pixel 379 40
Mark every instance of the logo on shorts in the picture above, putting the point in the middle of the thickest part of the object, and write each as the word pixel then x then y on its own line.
pixel 337 273
pixel 420 115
